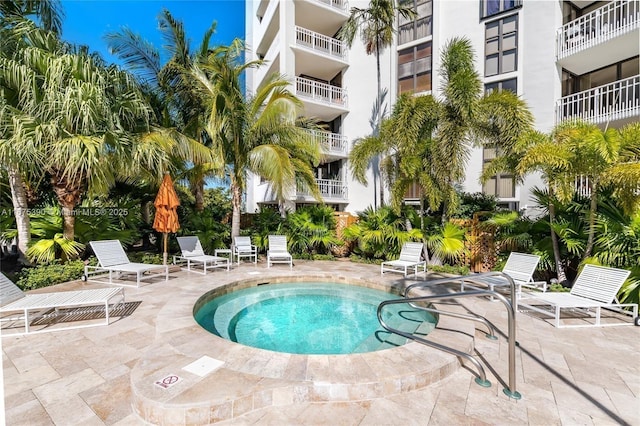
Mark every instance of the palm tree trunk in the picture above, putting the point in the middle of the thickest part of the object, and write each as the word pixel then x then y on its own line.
pixel 561 276
pixel 592 221
pixel 68 194
pixel 379 119
pixel 236 202
pixel 20 211
pixel 198 193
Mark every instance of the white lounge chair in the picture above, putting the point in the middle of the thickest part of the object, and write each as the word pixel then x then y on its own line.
pixel 113 260
pixel 278 251
pixel 410 256
pixel 192 253
pixel 242 247
pixel 520 267
pixel 595 288
pixel 32 306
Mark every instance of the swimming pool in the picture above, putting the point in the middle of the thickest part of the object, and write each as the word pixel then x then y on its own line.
pixel 310 318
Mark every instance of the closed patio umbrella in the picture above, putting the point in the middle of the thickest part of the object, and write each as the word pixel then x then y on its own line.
pixel 166 219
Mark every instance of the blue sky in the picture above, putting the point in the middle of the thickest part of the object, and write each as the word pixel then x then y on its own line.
pixel 87 21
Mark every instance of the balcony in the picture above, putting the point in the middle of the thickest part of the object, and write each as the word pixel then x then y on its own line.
pixel 321 44
pixel 606 35
pixel 322 100
pixel 318 55
pixel 331 190
pixel 333 144
pixel 340 5
pixel 323 16
pixel 617 101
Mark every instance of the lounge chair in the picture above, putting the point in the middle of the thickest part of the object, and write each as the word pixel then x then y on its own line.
pixel 520 267
pixel 278 252
pixel 410 256
pixel 33 306
pixel 595 288
pixel 113 260
pixel 192 253
pixel 242 247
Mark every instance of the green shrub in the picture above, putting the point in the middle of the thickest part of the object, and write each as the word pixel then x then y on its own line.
pixel 146 257
pixel 51 274
pixel 558 288
pixel 323 257
pixel 361 259
pixel 448 269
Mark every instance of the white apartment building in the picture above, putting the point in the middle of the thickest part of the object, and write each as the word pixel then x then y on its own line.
pixel 566 59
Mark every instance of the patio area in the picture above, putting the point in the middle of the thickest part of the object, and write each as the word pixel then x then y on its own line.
pixel 106 375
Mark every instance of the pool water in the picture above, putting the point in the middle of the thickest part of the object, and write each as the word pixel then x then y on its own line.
pixel 310 318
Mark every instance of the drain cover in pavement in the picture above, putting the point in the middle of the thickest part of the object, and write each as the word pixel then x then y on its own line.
pixel 203 366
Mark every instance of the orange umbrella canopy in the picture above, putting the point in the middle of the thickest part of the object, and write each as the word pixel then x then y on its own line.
pixel 166 203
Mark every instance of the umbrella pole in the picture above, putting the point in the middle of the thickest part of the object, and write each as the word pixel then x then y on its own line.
pixel 164 254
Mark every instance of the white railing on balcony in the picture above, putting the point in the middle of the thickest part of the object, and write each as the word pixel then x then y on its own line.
pixel 331 143
pixel 321 43
pixel 341 5
pixel 321 92
pixel 583 187
pixel 614 19
pixel 613 101
pixel 329 188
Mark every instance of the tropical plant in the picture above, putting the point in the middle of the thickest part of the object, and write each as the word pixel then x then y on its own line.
pixel 380 234
pixel 312 230
pixel 472 203
pixel 259 133
pixel 48 12
pixel 264 223
pixel 447 243
pixel 429 139
pixel 376 27
pixel 171 92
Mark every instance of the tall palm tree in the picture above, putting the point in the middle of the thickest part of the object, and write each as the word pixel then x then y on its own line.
pixel 376 27
pixel 19 95
pixel 428 139
pixel 169 87
pixel 550 155
pixel 259 133
pixel 608 158
pixel 48 12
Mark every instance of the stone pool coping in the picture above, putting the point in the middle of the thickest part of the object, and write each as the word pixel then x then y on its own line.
pixel 252 378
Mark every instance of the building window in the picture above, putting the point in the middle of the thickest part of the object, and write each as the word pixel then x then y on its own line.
pixel 501 185
pixel 414 69
pixel 501 46
pixel 510 84
pixel 493 7
pixel 418 27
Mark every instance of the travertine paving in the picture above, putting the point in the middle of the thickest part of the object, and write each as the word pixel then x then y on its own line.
pixel 95 375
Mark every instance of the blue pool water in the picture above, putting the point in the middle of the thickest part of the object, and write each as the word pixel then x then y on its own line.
pixel 310 318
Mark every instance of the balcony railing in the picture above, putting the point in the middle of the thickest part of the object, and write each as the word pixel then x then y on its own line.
pixel 321 43
pixel 329 188
pixel 331 143
pixel 321 92
pixel 341 5
pixel 583 187
pixel 613 101
pixel 615 18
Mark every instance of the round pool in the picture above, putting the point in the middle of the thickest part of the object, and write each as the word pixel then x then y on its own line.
pixel 310 318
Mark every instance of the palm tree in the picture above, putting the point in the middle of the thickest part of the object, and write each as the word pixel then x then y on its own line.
pixel 376 26
pixel 48 12
pixel 170 89
pixel 259 133
pixel 549 155
pixel 18 151
pixel 608 158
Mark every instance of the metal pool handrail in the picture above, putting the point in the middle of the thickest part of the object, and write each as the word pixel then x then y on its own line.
pixel 511 313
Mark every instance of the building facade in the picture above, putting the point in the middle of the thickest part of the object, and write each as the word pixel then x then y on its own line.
pixel 566 59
